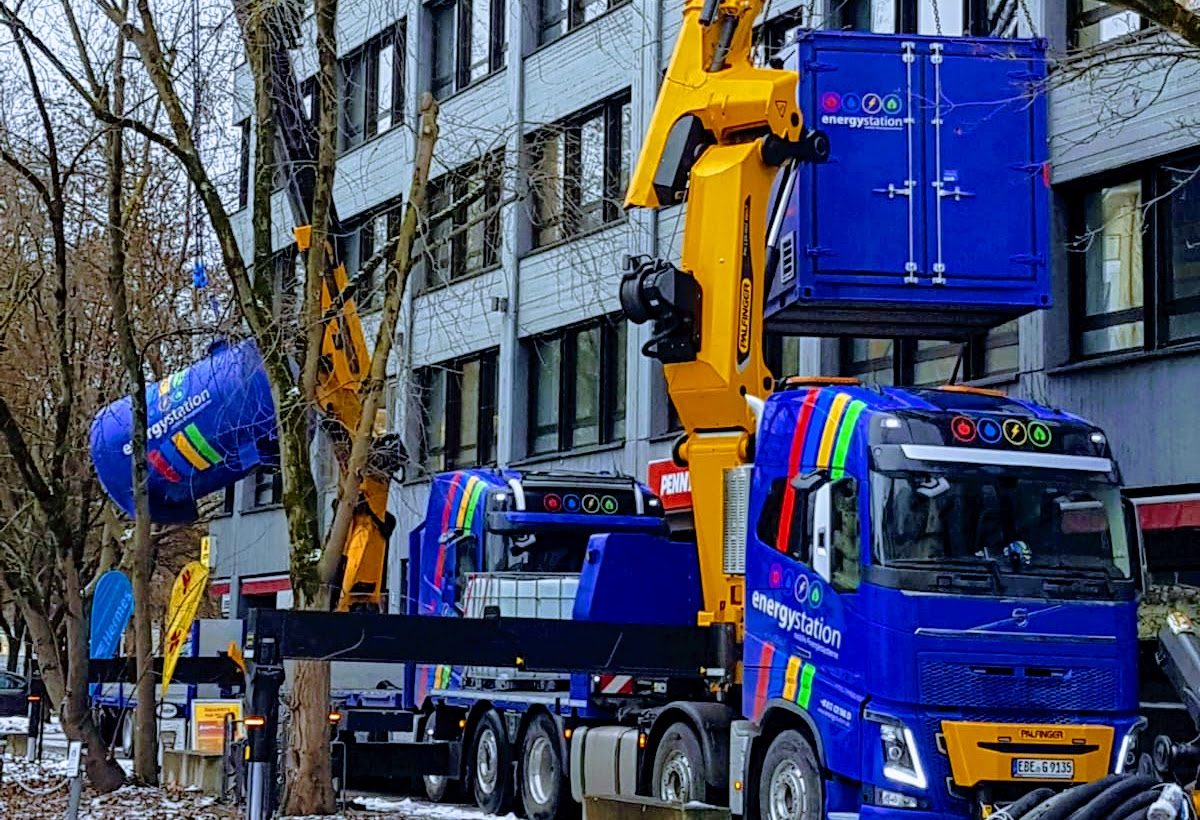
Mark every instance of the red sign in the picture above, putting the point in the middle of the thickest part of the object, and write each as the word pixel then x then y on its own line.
pixel 671 483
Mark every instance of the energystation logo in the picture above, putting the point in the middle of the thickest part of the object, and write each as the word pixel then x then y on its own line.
pixel 871 111
pixel 821 635
pixel 173 418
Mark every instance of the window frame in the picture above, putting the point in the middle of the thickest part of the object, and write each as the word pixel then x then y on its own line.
pixel 572 15
pixel 258 484
pixel 366 59
pixel 1078 19
pixel 457 215
pixel 612 428
pixel 906 354
pixel 1147 314
pixel 461 18
pixel 486 443
pixel 570 218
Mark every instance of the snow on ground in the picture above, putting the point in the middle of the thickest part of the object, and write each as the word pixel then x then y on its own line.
pixel 38 791
pixel 14 725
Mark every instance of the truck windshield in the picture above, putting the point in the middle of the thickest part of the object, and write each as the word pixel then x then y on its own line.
pixel 1025 523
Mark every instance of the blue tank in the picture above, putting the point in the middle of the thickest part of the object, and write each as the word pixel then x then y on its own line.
pixel 931 217
pixel 208 426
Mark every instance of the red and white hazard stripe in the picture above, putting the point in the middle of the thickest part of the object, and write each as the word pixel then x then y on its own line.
pixel 616 685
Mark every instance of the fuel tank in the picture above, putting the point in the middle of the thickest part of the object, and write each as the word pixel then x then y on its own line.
pixel 208 426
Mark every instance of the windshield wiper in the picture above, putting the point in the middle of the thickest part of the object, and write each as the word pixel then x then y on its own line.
pixel 955 565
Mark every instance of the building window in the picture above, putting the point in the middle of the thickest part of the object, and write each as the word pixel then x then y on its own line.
pixel 932 363
pixel 372 88
pixel 267 485
pixel 1093 22
pixel 459 402
pixel 1110 235
pixel 935 17
pixel 463 234
pixel 468 43
pixel 227 502
pixel 772 38
pixel 244 164
pixel 557 17
pixel 577 386
pixel 363 240
pixel 1136 260
pixel 579 169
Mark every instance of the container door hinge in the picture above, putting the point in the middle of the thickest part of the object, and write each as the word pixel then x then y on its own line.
pixel 891 191
pixel 910 54
pixel 816 251
pixel 817 67
pixel 956 192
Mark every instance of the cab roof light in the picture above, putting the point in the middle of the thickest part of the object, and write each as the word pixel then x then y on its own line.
pixel 820 381
pixel 974 391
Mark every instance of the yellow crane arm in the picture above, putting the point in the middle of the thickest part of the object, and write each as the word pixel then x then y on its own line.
pixel 721 129
pixel 344 366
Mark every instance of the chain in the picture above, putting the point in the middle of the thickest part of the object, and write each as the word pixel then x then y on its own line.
pixel 937 18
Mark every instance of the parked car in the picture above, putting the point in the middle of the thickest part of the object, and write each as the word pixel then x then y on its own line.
pixel 13 691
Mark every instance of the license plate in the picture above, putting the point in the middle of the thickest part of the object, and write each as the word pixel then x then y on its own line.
pixel 1038 768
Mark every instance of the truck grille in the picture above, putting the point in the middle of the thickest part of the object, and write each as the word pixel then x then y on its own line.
pixel 1000 687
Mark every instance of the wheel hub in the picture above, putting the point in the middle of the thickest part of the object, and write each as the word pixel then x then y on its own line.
pixel 539 771
pixel 788 798
pixel 675 784
pixel 486 761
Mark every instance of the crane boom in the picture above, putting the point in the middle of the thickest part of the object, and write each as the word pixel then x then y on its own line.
pixel 721 129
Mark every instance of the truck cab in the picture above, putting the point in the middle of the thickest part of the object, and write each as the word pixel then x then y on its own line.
pixel 941 593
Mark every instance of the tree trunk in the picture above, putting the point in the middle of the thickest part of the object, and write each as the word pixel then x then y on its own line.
pixel 103 772
pixel 309 786
pixel 16 641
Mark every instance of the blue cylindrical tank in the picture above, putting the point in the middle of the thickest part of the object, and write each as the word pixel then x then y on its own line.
pixel 208 426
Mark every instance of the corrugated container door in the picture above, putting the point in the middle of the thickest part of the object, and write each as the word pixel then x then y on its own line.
pixel 985 218
pixel 865 220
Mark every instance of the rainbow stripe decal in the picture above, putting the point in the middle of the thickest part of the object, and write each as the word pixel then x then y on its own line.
pixel 824 429
pixel 192 445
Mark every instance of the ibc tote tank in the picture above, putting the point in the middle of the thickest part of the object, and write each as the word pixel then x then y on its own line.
pixel 208 426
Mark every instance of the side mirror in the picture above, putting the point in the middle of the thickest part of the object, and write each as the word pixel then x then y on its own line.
pixel 822 561
pixel 1137 552
pixel 806 482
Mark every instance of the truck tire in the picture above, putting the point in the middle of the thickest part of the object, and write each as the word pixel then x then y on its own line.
pixel 790 786
pixel 440 789
pixel 678 775
pixel 545 790
pixel 491 765
pixel 127 733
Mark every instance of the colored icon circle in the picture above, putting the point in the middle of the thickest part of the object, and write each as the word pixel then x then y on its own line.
pixel 1015 432
pixel 831 101
pixel 962 428
pixel 851 103
pixel 815 595
pixel 801 588
pixel 989 431
pixel 775 576
pixel 608 504
pixel 571 503
pixel 872 103
pixel 552 502
pixel 591 503
pixel 1039 434
pixel 892 104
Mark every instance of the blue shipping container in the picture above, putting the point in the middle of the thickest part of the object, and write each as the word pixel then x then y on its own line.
pixel 208 426
pixel 931 217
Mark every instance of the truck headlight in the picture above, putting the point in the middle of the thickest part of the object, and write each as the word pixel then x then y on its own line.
pixel 1127 752
pixel 901 759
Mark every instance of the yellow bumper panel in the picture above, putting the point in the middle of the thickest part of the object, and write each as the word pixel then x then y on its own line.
pixel 986 752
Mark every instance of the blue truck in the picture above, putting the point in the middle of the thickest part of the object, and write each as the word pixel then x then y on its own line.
pixel 940 611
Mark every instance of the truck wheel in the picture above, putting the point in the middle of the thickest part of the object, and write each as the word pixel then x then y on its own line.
pixel 491 765
pixel 127 734
pixel 679 766
pixel 440 789
pixel 545 791
pixel 790 786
